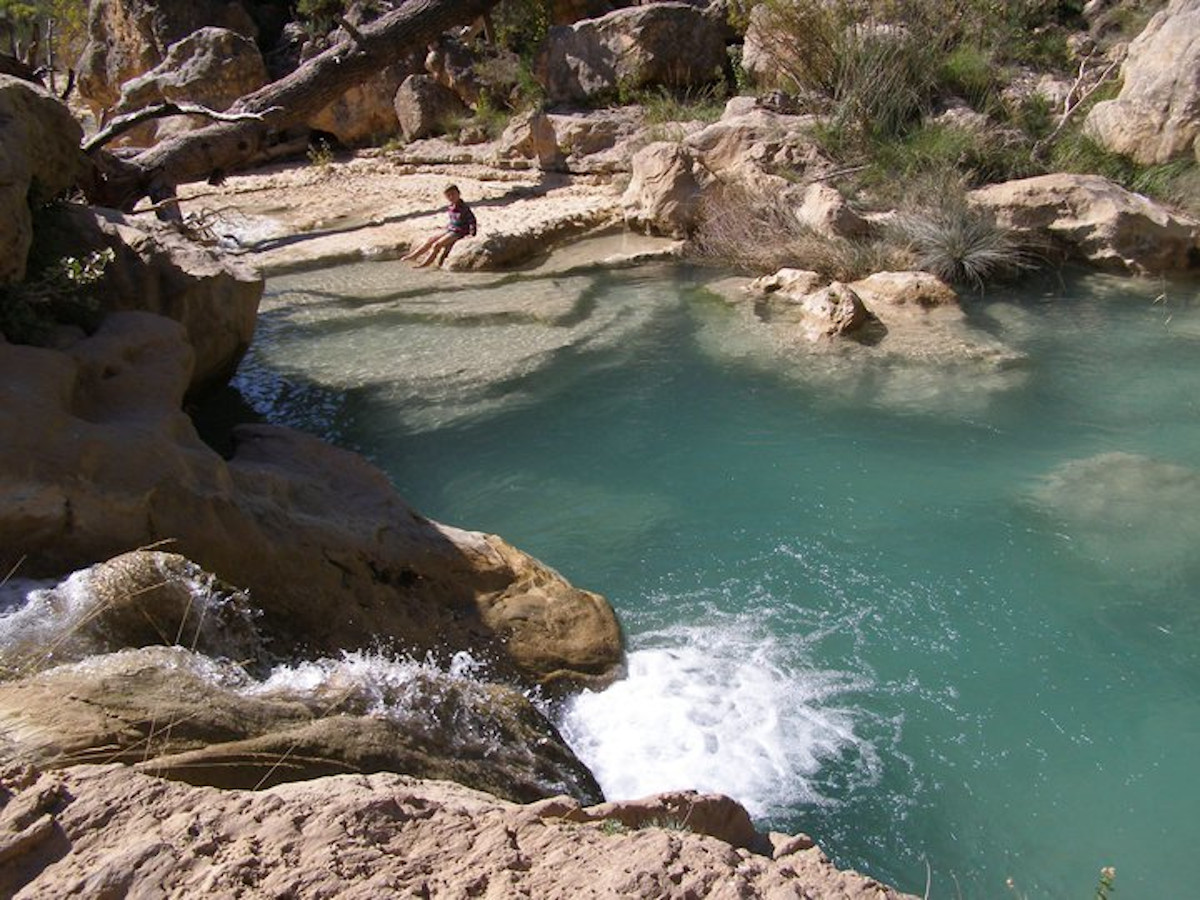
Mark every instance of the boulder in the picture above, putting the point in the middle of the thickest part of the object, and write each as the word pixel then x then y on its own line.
pixel 1156 116
pixel 212 67
pixel 796 282
pixel 670 44
pixel 424 107
pixel 531 136
pixel 831 311
pixel 1091 219
pixel 823 209
pixel 886 292
pixel 452 64
pixel 39 159
pixel 101 459
pixel 127 38
pixel 748 142
pixel 663 196
pixel 178 714
pixel 367 113
pixel 372 836
pixel 157 269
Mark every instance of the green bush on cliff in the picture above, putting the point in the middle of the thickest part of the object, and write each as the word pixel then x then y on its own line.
pixel 60 294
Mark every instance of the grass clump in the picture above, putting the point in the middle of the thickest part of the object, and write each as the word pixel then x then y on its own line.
pixel 961 244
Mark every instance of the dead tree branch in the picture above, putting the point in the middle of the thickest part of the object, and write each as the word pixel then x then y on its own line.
pixel 122 124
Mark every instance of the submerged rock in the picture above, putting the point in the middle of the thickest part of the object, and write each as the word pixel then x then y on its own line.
pixel 379 835
pixel 181 715
pixel 1132 514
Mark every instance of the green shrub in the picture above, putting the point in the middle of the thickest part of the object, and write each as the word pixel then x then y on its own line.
pixel 970 72
pixel 521 25
pixel 702 104
pixel 60 294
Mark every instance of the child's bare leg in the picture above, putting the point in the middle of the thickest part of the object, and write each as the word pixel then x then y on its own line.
pixel 444 248
pixel 413 254
pixel 436 249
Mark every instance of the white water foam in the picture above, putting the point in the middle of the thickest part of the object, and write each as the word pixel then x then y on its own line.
pixel 721 709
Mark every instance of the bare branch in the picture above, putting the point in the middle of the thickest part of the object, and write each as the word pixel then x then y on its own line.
pixel 121 124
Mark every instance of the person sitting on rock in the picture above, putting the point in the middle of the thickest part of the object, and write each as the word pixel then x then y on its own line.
pixel 462 223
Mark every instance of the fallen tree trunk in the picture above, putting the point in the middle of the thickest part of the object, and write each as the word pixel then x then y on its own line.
pixel 285 103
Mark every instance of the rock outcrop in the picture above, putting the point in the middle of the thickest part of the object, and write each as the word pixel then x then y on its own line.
pixel 211 67
pixel 378 835
pixel 1089 218
pixel 670 44
pixel 127 38
pixel 1156 117
pixel 102 460
pixel 39 158
pixel 157 269
pixel 188 717
pixel 664 192
pixel 365 114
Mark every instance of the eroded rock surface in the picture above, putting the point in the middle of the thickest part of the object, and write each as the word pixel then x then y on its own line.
pixel 672 44
pixel 39 158
pixel 104 460
pixel 378 835
pixel 1156 117
pixel 1091 219
pixel 185 716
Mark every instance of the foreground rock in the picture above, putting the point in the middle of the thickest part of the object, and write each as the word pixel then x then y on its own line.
pixel 1089 218
pixel 180 715
pixel 39 159
pixel 102 459
pixel 381 835
pixel 1156 117
pixel 157 269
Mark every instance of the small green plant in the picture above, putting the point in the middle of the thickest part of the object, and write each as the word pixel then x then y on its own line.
pixel 320 153
pixel 1107 883
pixel 613 826
pixel 970 72
pixel 692 104
pixel 62 293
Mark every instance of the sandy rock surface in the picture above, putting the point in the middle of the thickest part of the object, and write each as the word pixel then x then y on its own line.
pixel 109 831
pixel 377 207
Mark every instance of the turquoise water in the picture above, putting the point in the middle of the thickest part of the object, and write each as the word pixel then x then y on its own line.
pixel 928 613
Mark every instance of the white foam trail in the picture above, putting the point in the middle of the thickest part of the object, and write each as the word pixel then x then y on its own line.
pixel 722 710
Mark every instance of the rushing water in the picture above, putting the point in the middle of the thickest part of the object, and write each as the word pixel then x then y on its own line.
pixel 928 614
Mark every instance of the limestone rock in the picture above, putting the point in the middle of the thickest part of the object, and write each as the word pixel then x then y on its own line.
pixel 212 67
pixel 360 837
pixel 1092 219
pixel 663 196
pixel 129 37
pixel 1156 117
pixel 101 459
pixel 531 136
pixel 746 143
pixel 425 108
pixel 671 44
pixel 159 270
pixel 452 64
pixel 366 113
pixel 791 281
pixel 827 312
pixel 39 158
pixel 178 714
pixel 918 290
pixel 823 209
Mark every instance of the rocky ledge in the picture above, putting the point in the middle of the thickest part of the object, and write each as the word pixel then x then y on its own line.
pixel 72 833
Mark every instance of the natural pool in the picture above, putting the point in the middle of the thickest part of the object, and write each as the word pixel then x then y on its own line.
pixel 926 613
